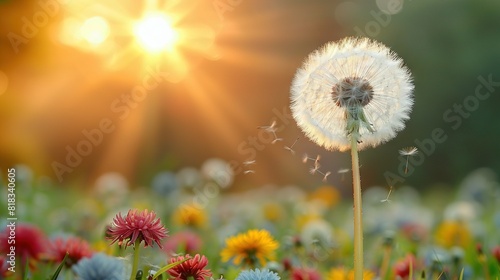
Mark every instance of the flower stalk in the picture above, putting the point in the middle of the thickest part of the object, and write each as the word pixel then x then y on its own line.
pixel 135 263
pixel 358 219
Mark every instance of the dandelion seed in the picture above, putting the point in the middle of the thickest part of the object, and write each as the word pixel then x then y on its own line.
pixel 408 152
pixel 343 171
pixel 249 162
pixel 316 162
pixel 325 176
pixel 291 147
pixel 276 139
pixel 269 128
pixel 248 171
pixel 305 158
pixel 313 170
pixel 387 198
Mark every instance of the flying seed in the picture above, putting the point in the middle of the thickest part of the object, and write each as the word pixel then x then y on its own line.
pixel 249 162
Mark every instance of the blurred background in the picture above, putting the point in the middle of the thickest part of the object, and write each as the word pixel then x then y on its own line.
pixel 140 87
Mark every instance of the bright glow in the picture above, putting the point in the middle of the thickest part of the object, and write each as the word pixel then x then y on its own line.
pixel 95 30
pixel 155 33
pixel 69 34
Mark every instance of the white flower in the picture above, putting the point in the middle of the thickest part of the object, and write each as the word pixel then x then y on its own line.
pixel 351 88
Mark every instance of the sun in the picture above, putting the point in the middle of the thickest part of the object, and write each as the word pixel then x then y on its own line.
pixel 156 33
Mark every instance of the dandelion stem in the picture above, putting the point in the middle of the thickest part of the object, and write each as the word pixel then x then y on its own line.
pixel 135 264
pixel 406 167
pixel 384 268
pixel 358 225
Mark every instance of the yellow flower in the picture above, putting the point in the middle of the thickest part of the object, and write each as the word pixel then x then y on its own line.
pixel 103 246
pixel 189 215
pixel 453 233
pixel 341 273
pixel 250 247
pixel 304 219
pixel 273 212
pixel 328 195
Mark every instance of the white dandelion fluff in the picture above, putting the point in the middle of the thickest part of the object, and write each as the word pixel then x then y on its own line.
pixel 352 88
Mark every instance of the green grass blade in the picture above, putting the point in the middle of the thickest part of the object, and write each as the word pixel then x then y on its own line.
pixel 26 269
pixel 461 274
pixel 167 267
pixel 59 268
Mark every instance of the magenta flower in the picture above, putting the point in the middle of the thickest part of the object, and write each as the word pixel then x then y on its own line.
pixel 137 226
pixel 30 243
pixel 184 241
pixel 76 248
pixel 192 268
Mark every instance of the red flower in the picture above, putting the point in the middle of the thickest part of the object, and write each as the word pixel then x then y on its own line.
pixel 77 249
pixel 30 242
pixel 185 241
pixel 305 274
pixel 402 267
pixel 194 267
pixel 139 226
pixel 496 253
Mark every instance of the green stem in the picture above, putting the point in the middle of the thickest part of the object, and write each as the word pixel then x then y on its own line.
pixel 135 264
pixel 358 222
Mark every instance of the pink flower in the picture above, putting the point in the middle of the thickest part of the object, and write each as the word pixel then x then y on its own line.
pixel 185 241
pixel 77 249
pixel 192 268
pixel 305 274
pixel 137 226
pixel 30 242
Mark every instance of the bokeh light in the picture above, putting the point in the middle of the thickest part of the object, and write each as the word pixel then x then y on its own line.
pixel 95 30
pixel 155 32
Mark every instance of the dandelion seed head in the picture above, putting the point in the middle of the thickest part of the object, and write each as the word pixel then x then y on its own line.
pixel 354 85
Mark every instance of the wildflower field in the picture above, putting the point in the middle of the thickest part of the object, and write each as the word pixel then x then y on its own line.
pixel 268 232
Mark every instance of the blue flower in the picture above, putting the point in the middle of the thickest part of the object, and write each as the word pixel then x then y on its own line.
pixel 257 274
pixel 165 183
pixel 100 267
